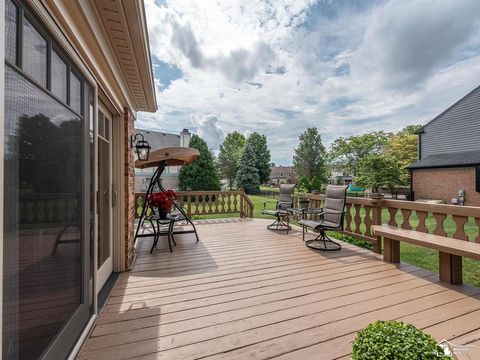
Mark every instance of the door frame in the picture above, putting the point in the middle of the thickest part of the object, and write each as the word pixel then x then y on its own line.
pixel 104 270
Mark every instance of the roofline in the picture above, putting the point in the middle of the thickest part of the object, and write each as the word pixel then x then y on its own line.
pixel 442 166
pixel 422 129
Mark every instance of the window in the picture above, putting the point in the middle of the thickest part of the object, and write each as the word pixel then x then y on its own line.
pixel 59 77
pixel 75 93
pixel 11 32
pixel 34 53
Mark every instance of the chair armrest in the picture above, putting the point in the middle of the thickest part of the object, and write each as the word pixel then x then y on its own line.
pixel 282 203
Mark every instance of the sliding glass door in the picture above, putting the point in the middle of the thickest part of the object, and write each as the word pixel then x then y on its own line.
pixel 47 210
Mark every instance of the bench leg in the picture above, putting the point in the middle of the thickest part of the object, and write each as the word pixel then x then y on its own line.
pixel 391 250
pixel 450 268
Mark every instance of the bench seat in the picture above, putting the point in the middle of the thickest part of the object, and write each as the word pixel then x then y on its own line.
pixel 450 250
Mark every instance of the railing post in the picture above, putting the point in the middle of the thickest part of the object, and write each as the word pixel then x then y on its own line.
pixel 242 194
pixel 377 220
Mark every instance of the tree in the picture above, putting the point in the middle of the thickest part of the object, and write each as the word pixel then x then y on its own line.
pixel 347 153
pixel 403 147
pixel 315 184
pixel 310 158
pixel 228 159
pixel 411 129
pixel 303 185
pixel 259 145
pixel 201 174
pixel 247 175
pixel 378 170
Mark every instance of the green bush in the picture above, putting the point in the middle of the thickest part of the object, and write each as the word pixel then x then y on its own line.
pixel 303 185
pixel 394 340
pixel 315 184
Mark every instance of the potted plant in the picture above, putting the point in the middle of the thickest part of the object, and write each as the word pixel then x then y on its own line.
pixel 303 200
pixel 163 202
pixel 395 340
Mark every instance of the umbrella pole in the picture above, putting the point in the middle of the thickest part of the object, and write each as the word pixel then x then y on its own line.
pixel 155 179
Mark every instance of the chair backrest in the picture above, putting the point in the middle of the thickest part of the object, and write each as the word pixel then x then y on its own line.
pixel 286 196
pixel 335 198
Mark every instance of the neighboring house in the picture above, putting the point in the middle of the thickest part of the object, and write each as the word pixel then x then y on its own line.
pixel 158 140
pixel 74 75
pixel 338 178
pixel 449 155
pixel 282 174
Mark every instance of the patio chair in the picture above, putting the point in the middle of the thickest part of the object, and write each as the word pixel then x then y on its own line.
pixel 285 201
pixel 330 217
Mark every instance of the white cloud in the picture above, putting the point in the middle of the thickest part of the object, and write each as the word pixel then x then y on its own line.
pixel 279 67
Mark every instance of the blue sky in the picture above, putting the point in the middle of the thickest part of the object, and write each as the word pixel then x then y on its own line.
pixel 277 67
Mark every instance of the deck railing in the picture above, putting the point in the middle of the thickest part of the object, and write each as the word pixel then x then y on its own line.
pixel 198 203
pixel 460 222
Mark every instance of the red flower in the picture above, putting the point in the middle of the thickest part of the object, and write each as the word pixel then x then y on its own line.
pixel 163 201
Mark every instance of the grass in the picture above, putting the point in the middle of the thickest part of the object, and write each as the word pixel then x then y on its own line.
pixel 415 255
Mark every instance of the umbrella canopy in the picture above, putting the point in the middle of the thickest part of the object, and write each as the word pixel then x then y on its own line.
pixel 171 156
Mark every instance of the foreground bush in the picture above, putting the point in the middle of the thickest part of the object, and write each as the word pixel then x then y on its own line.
pixel 394 340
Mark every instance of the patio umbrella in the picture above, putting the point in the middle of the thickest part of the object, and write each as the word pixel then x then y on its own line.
pixel 169 156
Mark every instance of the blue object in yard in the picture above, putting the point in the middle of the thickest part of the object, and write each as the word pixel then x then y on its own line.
pixel 354 188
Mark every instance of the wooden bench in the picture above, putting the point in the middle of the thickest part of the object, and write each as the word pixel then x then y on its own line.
pixel 450 250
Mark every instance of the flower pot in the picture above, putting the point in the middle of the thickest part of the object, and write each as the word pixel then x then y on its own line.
pixel 162 214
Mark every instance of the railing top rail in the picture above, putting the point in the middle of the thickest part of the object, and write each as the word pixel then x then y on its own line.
pixel 211 192
pixel 410 205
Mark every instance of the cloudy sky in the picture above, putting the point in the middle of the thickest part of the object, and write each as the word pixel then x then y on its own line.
pixel 280 66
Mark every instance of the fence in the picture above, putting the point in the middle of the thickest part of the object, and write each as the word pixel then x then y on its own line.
pixel 197 203
pixel 460 222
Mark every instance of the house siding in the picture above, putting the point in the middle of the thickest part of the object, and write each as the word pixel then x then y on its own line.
pixel 443 184
pixel 456 130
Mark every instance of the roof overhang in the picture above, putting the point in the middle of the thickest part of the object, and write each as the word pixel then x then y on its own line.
pixel 126 28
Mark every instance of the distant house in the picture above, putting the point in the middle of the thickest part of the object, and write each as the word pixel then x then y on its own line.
pixel 158 140
pixel 338 178
pixel 448 168
pixel 282 175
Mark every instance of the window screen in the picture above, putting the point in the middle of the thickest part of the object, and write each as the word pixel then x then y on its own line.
pixel 10 32
pixel 59 77
pixel 34 53
pixel 75 93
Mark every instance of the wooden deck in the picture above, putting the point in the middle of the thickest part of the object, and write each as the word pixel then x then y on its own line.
pixel 245 292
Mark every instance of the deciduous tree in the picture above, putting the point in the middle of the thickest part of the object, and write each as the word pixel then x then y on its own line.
pixel 259 145
pixel 378 171
pixel 310 157
pixel 228 159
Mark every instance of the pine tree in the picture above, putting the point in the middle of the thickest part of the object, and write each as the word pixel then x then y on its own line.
pixel 201 174
pixel 315 184
pixel 262 155
pixel 247 175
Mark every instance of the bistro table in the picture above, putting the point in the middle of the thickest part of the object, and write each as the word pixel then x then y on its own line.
pixel 164 227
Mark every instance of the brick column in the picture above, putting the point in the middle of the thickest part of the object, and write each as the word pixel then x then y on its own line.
pixel 129 189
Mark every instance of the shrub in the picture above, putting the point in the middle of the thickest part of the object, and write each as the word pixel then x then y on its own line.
pixel 315 184
pixel 395 340
pixel 303 185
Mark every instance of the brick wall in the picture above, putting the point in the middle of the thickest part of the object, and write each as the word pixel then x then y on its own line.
pixel 129 189
pixel 443 184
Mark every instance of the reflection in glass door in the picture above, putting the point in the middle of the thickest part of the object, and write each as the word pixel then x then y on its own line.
pixel 105 243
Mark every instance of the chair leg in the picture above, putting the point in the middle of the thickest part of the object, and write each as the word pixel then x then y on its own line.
pixel 279 225
pixel 323 242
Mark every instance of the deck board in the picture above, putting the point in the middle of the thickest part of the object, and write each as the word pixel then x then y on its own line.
pixel 245 292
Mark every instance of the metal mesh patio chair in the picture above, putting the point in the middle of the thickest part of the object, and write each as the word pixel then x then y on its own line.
pixel 285 201
pixel 330 217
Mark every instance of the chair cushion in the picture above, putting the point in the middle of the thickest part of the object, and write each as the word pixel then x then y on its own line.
pixel 318 224
pixel 274 212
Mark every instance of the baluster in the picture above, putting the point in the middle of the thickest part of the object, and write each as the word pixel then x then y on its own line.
pixel 357 219
pixel 204 204
pixel 392 221
pixel 235 203
pixel 477 222
pixel 229 203
pixel 223 203
pixel 348 217
pixel 422 216
pixel 197 205
pixel 368 221
pixel 460 222
pixel 439 219
pixel 406 218
pixel 216 202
